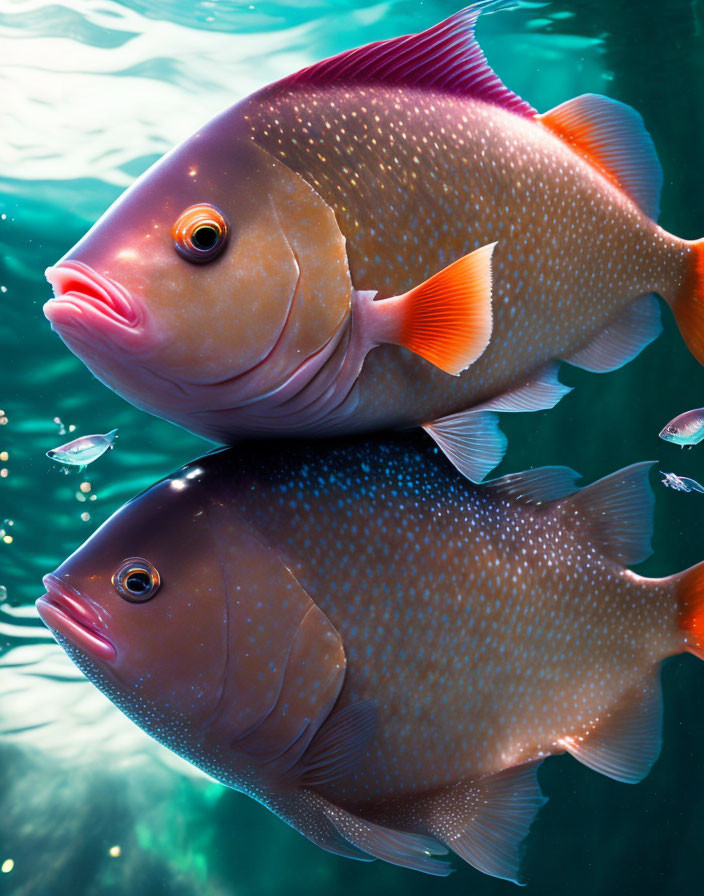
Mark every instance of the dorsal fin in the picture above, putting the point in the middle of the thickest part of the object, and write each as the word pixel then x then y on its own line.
pixel 612 138
pixel 536 486
pixel 619 512
pixel 446 57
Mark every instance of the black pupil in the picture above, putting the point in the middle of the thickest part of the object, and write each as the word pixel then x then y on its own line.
pixel 205 237
pixel 138 582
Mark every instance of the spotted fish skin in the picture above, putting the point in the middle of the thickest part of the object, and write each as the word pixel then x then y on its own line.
pixel 397 240
pixel 417 178
pixel 485 628
pixel 376 649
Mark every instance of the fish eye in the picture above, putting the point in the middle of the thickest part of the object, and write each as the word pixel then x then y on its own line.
pixel 136 580
pixel 200 233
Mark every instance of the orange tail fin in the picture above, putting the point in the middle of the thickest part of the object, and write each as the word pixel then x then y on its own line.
pixel 688 304
pixel 690 594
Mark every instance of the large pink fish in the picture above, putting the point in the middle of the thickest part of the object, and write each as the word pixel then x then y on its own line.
pixel 376 649
pixel 317 258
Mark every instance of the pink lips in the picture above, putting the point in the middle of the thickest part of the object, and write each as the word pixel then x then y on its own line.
pixel 81 291
pixel 68 614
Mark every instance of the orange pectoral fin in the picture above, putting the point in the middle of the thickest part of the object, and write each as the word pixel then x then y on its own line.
pixel 447 319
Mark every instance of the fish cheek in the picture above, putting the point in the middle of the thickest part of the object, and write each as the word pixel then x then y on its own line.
pixel 280 290
pixel 325 287
pixel 286 661
pixel 228 314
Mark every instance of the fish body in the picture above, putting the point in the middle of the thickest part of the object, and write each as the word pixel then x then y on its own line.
pixel 685 429
pixel 84 450
pixel 376 649
pixel 323 207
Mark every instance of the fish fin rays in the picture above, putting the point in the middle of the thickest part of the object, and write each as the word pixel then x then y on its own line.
pixel 486 820
pixel 447 319
pixel 613 139
pixel 446 58
pixel 625 337
pixel 302 810
pixel 618 510
pixel 540 393
pixel 337 747
pixel 330 826
pixel 538 486
pixel 473 441
pixel 626 745
pixel 483 820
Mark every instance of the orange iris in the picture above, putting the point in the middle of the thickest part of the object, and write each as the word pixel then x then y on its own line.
pixel 200 233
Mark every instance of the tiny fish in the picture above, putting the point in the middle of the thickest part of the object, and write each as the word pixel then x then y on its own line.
pixel 681 483
pixel 83 450
pixel 686 429
pixel 379 651
pixel 323 255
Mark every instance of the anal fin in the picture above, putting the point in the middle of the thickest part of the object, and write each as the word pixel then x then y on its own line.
pixel 625 745
pixel 485 820
pixel 539 393
pixel 473 441
pixel 625 337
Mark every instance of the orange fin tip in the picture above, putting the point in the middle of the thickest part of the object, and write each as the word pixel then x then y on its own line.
pixel 688 302
pixel 690 594
pixel 612 138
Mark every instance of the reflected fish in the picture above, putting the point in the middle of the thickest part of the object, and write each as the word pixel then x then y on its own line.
pixel 84 450
pixel 379 651
pixel 686 429
pixel 323 255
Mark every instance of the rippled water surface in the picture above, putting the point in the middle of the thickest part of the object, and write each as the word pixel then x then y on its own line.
pixel 91 93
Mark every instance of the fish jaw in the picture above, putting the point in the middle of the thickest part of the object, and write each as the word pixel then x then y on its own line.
pixel 69 615
pixel 89 302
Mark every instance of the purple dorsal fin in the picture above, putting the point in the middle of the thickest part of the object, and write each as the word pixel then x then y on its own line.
pixel 446 57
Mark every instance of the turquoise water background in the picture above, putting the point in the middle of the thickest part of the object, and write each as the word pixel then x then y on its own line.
pixel 93 91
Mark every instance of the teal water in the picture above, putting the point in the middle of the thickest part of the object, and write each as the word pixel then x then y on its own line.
pixel 91 92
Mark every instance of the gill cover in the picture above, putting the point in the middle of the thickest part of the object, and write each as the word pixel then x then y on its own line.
pixel 286 660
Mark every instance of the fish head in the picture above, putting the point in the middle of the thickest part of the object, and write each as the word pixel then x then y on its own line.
pixel 669 433
pixel 209 282
pixel 140 608
pixel 673 433
pixel 195 627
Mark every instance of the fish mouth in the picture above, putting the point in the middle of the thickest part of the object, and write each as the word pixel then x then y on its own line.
pixel 82 295
pixel 63 610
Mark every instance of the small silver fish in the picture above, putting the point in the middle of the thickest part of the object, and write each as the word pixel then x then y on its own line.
pixel 681 483
pixel 687 429
pixel 84 450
